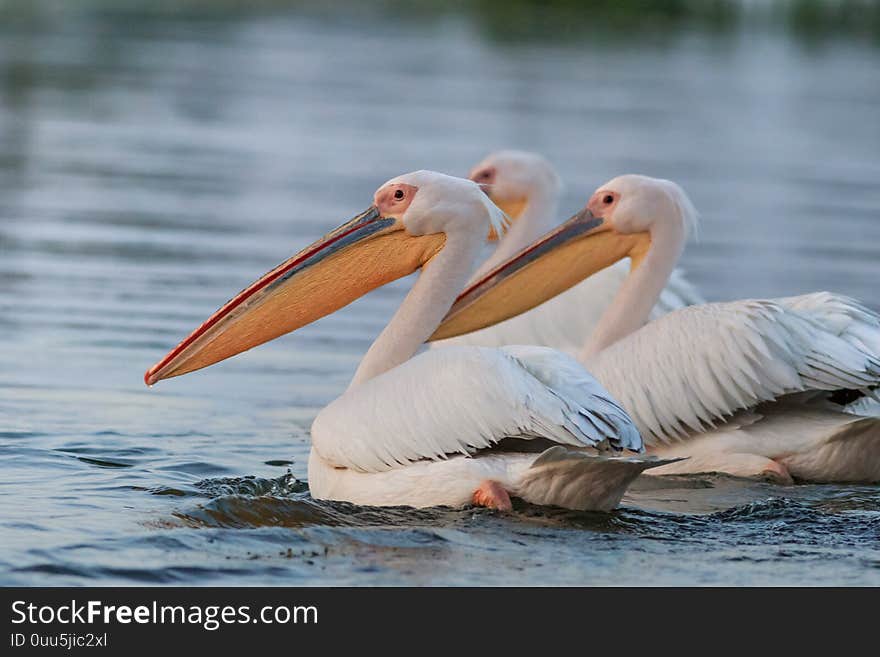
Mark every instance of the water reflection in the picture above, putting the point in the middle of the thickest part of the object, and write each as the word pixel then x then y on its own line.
pixel 156 157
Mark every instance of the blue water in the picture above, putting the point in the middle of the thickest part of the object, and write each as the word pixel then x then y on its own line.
pixel 152 164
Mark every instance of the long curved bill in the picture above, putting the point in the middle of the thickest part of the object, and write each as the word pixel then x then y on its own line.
pixel 362 254
pixel 557 261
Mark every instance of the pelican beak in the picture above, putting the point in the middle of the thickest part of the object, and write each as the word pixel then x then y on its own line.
pixel 362 254
pixel 557 261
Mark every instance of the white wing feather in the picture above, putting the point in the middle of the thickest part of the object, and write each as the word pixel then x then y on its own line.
pixel 462 399
pixel 565 321
pixel 692 368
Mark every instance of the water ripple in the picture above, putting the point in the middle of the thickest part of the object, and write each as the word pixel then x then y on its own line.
pixel 149 170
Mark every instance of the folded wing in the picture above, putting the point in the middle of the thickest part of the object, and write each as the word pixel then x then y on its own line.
pixel 692 368
pixel 462 400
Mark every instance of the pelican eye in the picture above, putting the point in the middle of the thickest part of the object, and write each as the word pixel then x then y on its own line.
pixel 398 194
pixel 608 199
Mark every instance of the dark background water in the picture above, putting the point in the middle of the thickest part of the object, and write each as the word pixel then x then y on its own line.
pixel 155 158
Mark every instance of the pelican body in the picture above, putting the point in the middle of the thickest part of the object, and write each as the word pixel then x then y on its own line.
pixel 756 387
pixel 444 427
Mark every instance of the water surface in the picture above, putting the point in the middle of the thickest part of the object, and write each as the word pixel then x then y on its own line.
pixel 152 164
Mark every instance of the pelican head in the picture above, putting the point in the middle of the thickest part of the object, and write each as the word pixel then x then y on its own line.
pixel 620 220
pixel 406 226
pixel 512 179
pixel 428 202
pixel 632 203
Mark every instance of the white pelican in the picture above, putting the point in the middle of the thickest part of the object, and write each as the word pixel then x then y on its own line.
pixel 446 427
pixel 527 188
pixel 750 388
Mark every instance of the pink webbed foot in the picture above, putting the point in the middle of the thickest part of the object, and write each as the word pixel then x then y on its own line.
pixel 777 473
pixel 493 496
